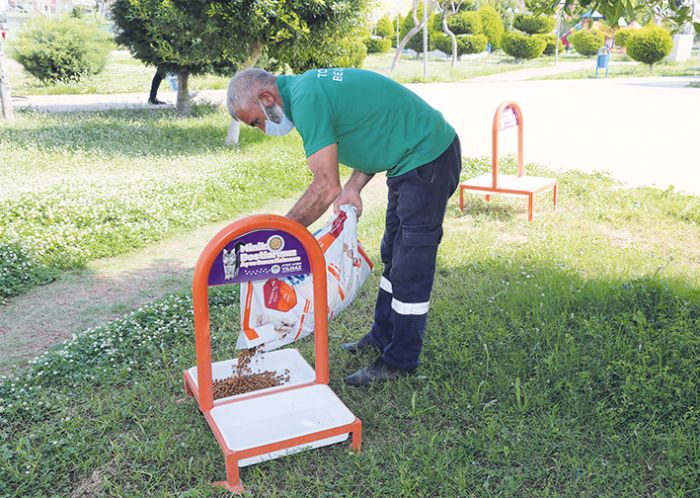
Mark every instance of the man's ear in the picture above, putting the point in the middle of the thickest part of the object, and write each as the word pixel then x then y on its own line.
pixel 267 98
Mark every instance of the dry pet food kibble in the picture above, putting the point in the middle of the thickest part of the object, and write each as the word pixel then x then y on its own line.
pixel 244 380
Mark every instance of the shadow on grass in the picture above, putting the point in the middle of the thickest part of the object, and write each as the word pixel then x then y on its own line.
pixel 476 206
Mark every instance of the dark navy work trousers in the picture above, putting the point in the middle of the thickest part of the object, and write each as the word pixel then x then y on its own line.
pixel 417 201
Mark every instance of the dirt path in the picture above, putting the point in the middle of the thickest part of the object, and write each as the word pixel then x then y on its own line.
pixel 111 287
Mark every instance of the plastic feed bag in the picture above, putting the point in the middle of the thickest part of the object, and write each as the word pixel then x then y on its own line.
pixel 277 312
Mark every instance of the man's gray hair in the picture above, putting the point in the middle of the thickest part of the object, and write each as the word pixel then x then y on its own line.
pixel 245 87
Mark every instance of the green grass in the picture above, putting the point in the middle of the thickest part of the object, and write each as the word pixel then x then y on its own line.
pixel 86 186
pixel 691 67
pixel 561 359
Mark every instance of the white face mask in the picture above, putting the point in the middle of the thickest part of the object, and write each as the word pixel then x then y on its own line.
pixel 277 129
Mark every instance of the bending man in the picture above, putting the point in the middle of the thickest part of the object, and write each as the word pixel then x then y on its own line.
pixel 371 124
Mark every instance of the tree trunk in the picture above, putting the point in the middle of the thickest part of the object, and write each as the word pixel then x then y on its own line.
pixel 5 93
pixel 254 54
pixel 452 36
pixel 184 104
pixel 414 30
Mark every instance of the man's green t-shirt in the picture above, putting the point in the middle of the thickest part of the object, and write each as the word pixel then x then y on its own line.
pixel 378 124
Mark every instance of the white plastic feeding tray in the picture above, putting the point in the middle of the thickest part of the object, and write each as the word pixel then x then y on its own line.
pixel 300 372
pixel 253 422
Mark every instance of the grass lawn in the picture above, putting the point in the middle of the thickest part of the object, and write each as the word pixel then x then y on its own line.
pixel 561 359
pixel 691 67
pixel 84 186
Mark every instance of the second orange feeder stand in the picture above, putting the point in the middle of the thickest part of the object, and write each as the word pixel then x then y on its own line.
pixel 508 115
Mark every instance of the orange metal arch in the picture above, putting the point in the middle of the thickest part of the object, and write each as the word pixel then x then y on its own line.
pixel 200 295
pixel 494 138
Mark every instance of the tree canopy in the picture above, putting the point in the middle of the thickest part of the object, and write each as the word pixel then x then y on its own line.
pixel 678 12
pixel 201 36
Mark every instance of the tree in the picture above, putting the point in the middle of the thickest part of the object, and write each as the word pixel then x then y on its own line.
pixel 493 26
pixel 523 46
pixel 200 36
pixel 62 49
pixel 502 7
pixel 587 42
pixel 8 111
pixel 385 28
pixel 649 45
pixel 417 26
pixel 678 12
pixel 449 8
pixel 416 43
pixel 176 36
pixel 5 91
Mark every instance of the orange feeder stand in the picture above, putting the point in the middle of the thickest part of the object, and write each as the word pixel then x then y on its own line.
pixel 301 413
pixel 507 116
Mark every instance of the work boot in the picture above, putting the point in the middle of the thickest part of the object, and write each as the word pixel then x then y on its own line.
pixel 155 101
pixel 363 344
pixel 376 372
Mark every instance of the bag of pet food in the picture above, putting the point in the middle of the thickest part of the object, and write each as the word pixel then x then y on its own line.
pixel 279 311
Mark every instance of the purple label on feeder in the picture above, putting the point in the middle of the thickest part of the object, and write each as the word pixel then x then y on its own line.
pixel 259 255
pixel 508 119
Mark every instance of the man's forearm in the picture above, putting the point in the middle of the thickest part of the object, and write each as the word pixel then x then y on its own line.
pixel 357 181
pixel 313 203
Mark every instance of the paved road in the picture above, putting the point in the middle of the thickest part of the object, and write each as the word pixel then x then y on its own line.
pixel 645 131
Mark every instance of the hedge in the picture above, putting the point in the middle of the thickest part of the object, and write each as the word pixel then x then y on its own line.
pixel 378 45
pixel 492 26
pixel 522 46
pixel 622 36
pixel 534 25
pixel 62 50
pixel 587 42
pixel 465 23
pixel 550 40
pixel 649 45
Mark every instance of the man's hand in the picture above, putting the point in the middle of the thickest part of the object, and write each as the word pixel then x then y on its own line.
pixel 351 197
pixel 351 192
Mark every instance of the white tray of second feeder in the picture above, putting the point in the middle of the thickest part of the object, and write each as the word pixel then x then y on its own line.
pixel 262 420
pixel 300 372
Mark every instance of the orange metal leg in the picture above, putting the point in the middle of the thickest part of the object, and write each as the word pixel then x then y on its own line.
pixel 233 478
pixel 461 198
pixel 530 206
pixel 554 194
pixel 357 436
pixel 488 198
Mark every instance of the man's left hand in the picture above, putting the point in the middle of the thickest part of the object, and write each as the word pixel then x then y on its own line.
pixel 348 196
